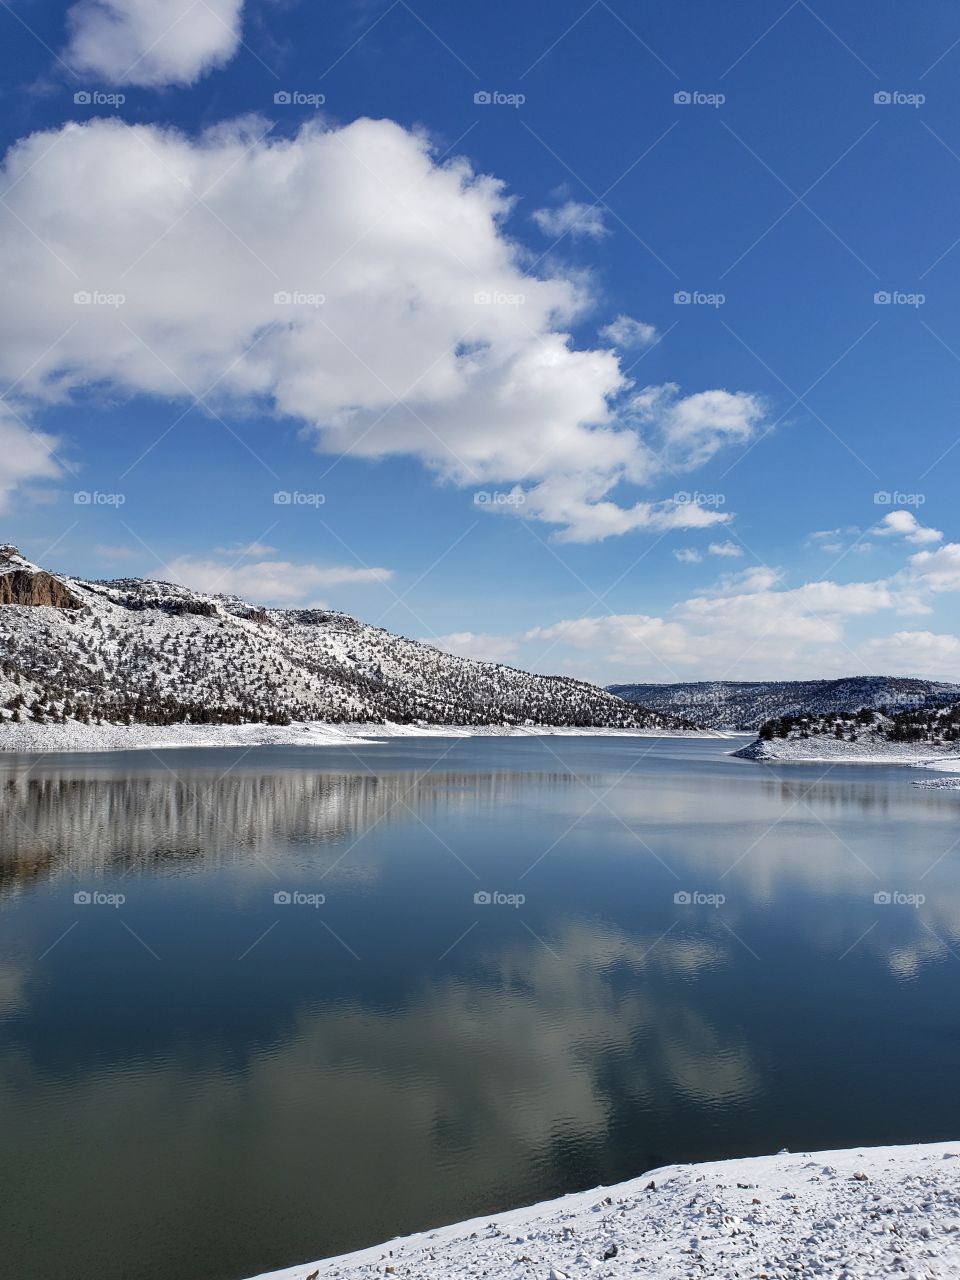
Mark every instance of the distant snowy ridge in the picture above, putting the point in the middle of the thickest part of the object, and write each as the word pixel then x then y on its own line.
pixel 738 704
pixel 137 652
pixel 858 1214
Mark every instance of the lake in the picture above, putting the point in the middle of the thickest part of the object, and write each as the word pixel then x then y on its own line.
pixel 262 1006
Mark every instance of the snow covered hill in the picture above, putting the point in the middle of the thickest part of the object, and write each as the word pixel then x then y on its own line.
pixel 921 735
pixel 733 704
pixel 143 652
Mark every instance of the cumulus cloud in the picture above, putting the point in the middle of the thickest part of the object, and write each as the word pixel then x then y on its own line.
pixel 751 625
pixel 938 570
pixel 571 219
pixel 25 455
pixel 474 644
pixel 904 524
pixel 913 653
pixel 344 279
pixel 688 555
pixel 731 550
pixel 626 333
pixel 691 429
pixel 146 42
pixel 275 582
pixel 625 640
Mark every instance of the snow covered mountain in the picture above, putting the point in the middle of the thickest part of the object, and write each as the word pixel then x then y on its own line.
pixel 731 704
pixel 137 651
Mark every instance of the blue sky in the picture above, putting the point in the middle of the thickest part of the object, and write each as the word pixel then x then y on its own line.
pixel 688 492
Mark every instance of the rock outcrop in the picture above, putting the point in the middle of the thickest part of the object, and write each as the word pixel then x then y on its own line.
pixel 20 586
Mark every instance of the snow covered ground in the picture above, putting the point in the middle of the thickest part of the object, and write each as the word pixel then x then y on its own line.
pixel 29 737
pixel 824 749
pixel 848 1215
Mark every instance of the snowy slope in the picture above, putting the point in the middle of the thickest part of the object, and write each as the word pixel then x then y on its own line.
pixel 153 652
pixel 733 704
pixel 845 1215
pixel 917 736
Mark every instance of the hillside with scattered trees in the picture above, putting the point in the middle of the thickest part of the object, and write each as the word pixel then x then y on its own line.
pixel 132 651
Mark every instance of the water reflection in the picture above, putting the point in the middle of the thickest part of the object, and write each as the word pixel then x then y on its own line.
pixel 239 1085
pixel 97 825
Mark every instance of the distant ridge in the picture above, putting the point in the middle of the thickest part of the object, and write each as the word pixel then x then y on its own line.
pixel 736 704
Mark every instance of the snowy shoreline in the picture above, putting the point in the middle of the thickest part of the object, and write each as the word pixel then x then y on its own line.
pixel 29 738
pixel 826 750
pixel 858 1213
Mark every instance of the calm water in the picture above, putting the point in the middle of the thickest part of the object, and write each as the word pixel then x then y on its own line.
pixel 203 1082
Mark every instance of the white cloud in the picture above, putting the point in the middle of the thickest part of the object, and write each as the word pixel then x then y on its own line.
pixel 906 525
pixel 573 219
pixel 688 555
pixel 473 644
pixel 152 42
pixel 623 640
pixel 25 455
pixel 691 429
pixel 752 626
pixel 938 570
pixel 407 323
pixel 626 333
pixel 277 582
pixel 729 549
pixel 914 653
